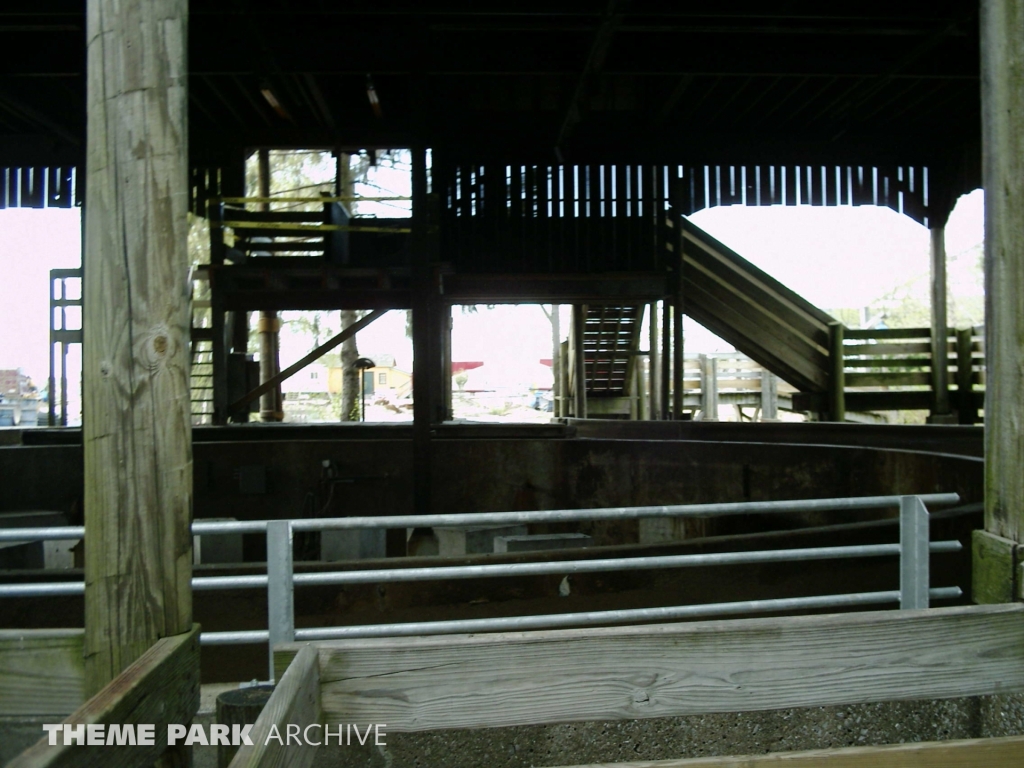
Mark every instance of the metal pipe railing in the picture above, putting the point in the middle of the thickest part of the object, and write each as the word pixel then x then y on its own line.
pixel 568 567
pixel 280 580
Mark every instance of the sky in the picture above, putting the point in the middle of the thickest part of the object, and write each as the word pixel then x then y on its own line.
pixel 835 257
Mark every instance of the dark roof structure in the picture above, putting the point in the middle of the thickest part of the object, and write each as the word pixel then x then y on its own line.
pixel 850 102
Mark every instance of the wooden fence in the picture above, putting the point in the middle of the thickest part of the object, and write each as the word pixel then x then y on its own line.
pixel 893 369
pixel 626 673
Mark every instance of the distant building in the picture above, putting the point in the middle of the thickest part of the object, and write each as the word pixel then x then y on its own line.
pixel 19 399
pixel 383 380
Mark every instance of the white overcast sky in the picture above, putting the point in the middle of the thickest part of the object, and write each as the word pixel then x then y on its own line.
pixel 835 257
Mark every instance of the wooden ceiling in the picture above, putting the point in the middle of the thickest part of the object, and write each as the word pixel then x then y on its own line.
pixel 537 80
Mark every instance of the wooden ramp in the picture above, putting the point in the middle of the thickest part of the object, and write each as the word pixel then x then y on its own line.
pixel 754 312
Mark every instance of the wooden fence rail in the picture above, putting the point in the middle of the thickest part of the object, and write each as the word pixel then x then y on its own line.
pixel 160 687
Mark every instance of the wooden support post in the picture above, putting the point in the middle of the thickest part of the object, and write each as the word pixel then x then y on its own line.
pixel 940 332
pixel 426 354
pixel 579 314
pixel 137 432
pixel 677 342
pixel 709 388
pixel 654 369
pixel 219 356
pixel 666 359
pixel 965 376
pixel 271 405
pixel 837 381
pixel 640 384
pixel 769 396
pixel 563 379
pixel 1002 108
pixel 556 357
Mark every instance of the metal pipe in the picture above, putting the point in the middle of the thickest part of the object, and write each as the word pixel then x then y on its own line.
pixel 608 564
pixel 259 581
pixel 26 535
pixel 243 637
pixel 559 620
pixel 43 590
pixel 536 516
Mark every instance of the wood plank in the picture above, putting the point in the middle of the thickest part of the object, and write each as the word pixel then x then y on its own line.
pixel 888 333
pixel 883 379
pixel 1002 112
pixel 889 362
pixel 907 348
pixel 471 681
pixel 137 439
pixel 1006 752
pixel 41 672
pixel 296 701
pixel 160 687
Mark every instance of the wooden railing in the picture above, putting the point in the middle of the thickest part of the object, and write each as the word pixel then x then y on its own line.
pixel 892 369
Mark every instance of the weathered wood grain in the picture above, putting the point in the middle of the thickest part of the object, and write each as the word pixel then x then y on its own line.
pixel 472 681
pixel 41 672
pixel 1002 111
pixel 160 687
pixel 1005 752
pixel 296 701
pixel 137 421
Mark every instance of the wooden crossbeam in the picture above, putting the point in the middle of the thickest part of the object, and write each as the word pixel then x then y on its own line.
pixel 316 354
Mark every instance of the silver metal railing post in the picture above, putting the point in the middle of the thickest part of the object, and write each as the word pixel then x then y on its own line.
pixel 914 550
pixel 280 586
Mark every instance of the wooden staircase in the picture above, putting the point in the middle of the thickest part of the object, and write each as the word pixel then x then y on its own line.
pixel 751 310
pixel 611 333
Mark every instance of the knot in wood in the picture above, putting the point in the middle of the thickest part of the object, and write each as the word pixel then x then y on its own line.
pixel 158 347
pixel 641 697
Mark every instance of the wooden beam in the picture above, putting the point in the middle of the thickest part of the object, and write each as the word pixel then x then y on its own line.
pixel 1007 752
pixel 41 672
pixel 477 681
pixel 137 429
pixel 940 330
pixel 1002 102
pixel 160 687
pixel 316 354
pixel 295 701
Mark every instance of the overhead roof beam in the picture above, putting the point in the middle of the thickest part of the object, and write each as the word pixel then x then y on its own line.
pixel 595 61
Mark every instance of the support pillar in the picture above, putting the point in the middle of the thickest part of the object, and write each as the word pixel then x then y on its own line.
pixel 271 405
pixel 427 354
pixel 579 315
pixel 677 342
pixel 654 369
pixel 1002 109
pixel 137 436
pixel 666 358
pixel 940 331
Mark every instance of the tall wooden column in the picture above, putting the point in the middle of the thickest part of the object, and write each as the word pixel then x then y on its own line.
pixel 427 352
pixel 137 430
pixel 941 413
pixel 1002 101
pixel 654 370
